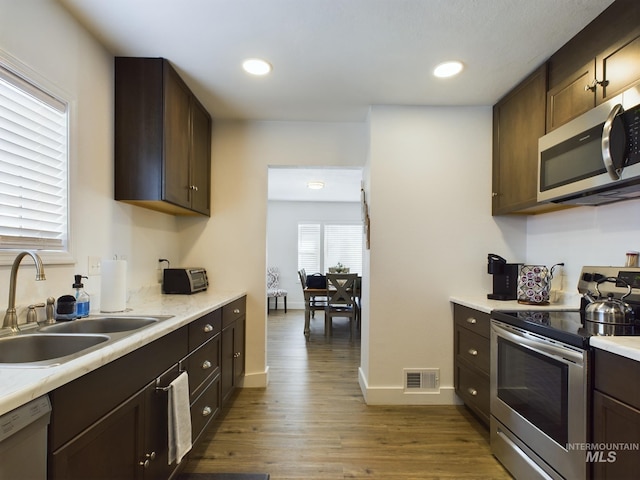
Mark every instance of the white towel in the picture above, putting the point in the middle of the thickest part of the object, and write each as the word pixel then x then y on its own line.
pixel 179 418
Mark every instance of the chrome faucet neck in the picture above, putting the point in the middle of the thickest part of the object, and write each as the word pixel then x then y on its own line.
pixel 10 318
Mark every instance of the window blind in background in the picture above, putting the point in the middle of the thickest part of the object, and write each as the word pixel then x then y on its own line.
pixel 343 244
pixel 33 166
pixel 309 247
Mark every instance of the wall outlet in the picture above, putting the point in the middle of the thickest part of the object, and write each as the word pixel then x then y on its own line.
pixel 94 266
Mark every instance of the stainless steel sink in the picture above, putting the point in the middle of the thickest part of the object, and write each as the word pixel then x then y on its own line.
pixel 24 349
pixel 101 325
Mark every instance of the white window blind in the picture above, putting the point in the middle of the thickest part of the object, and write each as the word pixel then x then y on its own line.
pixel 322 246
pixel 343 244
pixel 309 247
pixel 33 166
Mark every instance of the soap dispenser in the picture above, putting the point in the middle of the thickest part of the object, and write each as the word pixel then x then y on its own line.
pixel 82 297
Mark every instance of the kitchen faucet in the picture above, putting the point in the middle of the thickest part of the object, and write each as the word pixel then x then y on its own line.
pixel 10 318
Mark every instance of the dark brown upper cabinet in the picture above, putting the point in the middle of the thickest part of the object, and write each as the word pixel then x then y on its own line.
pixel 600 62
pixel 518 122
pixel 162 139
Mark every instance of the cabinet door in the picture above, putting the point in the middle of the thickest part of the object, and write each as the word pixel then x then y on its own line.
pixel 238 357
pixel 200 159
pixel 110 449
pixel 572 97
pixel 232 366
pixel 619 67
pixel 176 179
pixel 518 122
pixel 615 423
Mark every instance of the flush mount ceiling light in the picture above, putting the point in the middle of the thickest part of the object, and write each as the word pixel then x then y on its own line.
pixel 315 185
pixel 448 69
pixel 256 66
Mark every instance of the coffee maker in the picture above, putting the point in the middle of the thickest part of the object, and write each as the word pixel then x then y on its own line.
pixel 505 278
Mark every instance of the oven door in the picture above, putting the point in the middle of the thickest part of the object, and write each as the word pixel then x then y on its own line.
pixel 538 404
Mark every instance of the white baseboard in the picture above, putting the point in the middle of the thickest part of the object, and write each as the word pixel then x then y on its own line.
pixel 397 395
pixel 256 379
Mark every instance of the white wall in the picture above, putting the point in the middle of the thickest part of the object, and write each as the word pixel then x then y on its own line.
pixel 232 245
pixel 282 237
pixel 429 191
pixel 42 36
pixel 584 236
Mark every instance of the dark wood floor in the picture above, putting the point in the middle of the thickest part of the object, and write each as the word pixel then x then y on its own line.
pixel 311 422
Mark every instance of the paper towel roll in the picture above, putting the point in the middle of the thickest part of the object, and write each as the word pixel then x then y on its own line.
pixel 113 292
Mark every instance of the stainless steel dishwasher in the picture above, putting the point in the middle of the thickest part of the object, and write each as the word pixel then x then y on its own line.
pixel 23 441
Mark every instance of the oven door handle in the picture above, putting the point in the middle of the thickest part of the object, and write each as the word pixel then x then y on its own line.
pixel 539 345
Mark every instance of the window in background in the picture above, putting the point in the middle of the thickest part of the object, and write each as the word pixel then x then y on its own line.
pixel 342 244
pixel 33 165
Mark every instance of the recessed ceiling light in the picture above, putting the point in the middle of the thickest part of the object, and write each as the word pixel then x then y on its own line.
pixel 256 66
pixel 315 185
pixel 448 69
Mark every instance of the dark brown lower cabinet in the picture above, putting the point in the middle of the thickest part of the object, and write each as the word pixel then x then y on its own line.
pixel 112 422
pixel 107 450
pixel 616 418
pixel 233 336
pixel 127 443
pixel 471 359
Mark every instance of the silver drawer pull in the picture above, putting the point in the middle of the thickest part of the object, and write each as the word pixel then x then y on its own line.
pixel 471 320
pixel 236 311
pixel 206 411
pixel 473 352
pixel 237 355
pixel 206 365
pixel 472 391
pixel 207 328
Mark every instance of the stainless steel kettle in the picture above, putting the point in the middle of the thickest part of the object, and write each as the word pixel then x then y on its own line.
pixel 612 310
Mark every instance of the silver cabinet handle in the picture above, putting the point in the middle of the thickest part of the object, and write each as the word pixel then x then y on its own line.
pixel 206 411
pixel 237 355
pixel 613 172
pixel 207 328
pixel 206 365
pixel 473 352
pixel 150 456
pixel 471 320
pixel 472 391
pixel 236 311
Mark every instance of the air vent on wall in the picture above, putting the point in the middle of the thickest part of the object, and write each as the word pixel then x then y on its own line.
pixel 422 380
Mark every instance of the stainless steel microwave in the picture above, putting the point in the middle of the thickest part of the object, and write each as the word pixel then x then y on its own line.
pixel 595 158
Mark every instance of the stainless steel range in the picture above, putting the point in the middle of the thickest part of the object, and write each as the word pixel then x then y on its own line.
pixel 540 371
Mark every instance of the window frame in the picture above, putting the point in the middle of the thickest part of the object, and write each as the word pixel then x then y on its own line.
pixel 65 255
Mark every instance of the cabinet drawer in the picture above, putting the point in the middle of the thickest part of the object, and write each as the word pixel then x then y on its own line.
pixel 234 311
pixel 473 389
pixel 205 408
pixel 474 320
pixel 613 374
pixel 202 363
pixel 473 349
pixel 204 329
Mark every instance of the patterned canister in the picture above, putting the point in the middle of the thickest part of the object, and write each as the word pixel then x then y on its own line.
pixel 534 284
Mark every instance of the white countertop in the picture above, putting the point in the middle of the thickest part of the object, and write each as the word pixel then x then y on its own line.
pixel 22 384
pixel 568 302
pixel 628 347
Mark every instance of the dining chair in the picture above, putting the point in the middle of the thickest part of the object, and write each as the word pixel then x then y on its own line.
pixel 341 291
pixel 273 288
pixel 316 302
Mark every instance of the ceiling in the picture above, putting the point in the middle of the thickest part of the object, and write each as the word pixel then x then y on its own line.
pixel 332 59
pixel 290 184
